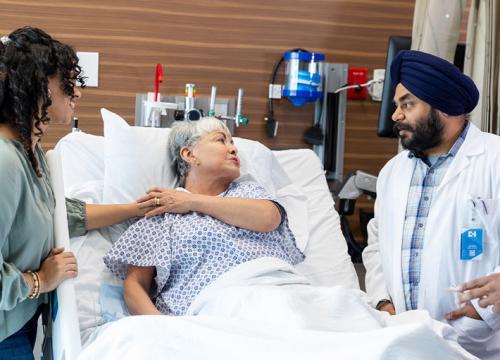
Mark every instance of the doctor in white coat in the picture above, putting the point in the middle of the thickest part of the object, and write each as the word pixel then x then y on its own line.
pixel 427 235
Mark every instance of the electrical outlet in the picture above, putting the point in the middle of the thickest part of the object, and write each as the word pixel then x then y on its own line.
pixel 275 91
pixel 378 87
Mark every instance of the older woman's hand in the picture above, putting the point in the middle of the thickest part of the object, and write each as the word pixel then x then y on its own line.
pixel 166 200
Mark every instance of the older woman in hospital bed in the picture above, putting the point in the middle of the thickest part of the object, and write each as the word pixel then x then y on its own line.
pixel 211 225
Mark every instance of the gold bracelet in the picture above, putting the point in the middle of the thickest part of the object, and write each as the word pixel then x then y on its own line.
pixel 39 284
pixel 35 293
pixel 35 285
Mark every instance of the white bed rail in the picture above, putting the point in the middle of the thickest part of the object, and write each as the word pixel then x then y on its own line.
pixel 66 342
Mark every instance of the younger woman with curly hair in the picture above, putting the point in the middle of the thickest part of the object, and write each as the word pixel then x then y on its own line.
pixel 38 75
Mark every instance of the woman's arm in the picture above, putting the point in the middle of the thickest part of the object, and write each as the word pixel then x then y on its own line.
pixel 99 216
pixel 251 214
pixel 136 289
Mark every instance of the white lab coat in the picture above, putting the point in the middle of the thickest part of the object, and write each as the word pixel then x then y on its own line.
pixel 474 172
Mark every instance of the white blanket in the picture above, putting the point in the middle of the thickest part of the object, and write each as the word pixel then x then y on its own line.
pixel 264 309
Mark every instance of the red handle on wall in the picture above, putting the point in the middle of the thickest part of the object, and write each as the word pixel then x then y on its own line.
pixel 158 79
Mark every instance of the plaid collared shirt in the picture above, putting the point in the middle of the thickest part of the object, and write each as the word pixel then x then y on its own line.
pixel 425 180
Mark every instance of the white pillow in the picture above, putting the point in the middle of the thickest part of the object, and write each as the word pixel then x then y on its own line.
pixel 327 262
pixel 81 158
pixel 136 159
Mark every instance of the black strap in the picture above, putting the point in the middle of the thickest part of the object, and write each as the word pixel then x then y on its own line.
pixel 382 303
pixel 47 329
pixel 281 209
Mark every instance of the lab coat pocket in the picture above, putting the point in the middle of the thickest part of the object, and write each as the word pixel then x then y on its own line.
pixel 488 213
pixel 488 217
pixel 472 334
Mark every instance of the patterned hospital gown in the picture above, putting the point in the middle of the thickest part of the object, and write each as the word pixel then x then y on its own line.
pixel 191 250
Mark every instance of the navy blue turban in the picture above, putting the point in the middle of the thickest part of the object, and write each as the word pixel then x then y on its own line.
pixel 435 81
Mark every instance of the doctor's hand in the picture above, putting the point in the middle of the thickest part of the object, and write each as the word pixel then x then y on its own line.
pixel 468 311
pixel 388 308
pixel 486 288
pixel 166 200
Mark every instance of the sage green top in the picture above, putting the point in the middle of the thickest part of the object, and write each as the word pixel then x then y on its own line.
pixel 26 231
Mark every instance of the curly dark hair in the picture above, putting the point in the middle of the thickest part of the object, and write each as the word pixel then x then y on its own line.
pixel 28 57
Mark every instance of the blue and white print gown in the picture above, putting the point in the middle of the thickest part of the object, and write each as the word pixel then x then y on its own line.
pixel 189 251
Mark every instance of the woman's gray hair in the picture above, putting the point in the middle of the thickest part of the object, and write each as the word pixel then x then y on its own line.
pixel 188 133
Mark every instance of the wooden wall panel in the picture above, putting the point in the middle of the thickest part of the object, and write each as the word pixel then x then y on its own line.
pixel 230 44
pixel 226 43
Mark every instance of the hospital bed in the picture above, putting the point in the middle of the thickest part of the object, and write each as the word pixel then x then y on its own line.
pixel 90 317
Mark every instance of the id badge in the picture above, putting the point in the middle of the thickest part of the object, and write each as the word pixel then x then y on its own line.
pixel 471 244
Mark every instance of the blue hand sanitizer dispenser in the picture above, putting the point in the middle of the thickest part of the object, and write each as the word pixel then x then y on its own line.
pixel 304 77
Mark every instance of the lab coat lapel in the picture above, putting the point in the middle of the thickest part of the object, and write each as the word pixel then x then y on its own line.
pixel 403 180
pixel 472 146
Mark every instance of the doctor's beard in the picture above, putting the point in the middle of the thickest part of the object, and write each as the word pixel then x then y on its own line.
pixel 426 135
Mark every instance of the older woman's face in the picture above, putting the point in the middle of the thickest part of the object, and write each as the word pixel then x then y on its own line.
pixel 216 154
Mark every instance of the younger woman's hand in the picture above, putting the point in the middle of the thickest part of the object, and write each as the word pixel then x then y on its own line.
pixel 141 209
pixel 57 267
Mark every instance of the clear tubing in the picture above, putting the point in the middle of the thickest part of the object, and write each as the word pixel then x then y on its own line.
pixel 211 111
